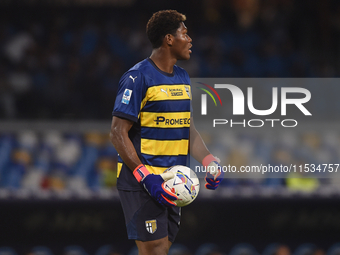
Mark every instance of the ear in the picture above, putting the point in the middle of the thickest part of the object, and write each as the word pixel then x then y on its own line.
pixel 169 39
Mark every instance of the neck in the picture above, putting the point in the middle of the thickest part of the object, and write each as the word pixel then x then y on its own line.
pixel 163 60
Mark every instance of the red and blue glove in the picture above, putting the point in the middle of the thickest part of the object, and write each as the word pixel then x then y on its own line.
pixel 154 185
pixel 214 174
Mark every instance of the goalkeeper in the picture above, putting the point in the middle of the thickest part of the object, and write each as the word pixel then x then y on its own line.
pixel 150 130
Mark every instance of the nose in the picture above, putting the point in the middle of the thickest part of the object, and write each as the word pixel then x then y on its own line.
pixel 189 39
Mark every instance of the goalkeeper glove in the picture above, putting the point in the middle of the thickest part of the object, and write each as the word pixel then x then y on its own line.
pixel 154 185
pixel 214 174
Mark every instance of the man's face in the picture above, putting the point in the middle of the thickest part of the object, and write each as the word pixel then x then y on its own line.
pixel 182 43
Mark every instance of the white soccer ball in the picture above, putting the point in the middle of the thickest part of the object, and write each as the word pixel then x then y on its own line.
pixel 185 184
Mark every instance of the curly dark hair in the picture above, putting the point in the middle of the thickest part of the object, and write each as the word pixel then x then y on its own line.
pixel 162 23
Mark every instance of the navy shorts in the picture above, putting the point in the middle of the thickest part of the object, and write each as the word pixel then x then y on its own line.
pixel 146 219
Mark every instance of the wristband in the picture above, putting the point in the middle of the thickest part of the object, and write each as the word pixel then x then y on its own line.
pixel 140 172
pixel 208 159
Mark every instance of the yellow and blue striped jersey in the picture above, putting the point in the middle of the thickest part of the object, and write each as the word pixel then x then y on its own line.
pixel 159 105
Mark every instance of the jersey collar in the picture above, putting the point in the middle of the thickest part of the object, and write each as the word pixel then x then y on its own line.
pixel 159 70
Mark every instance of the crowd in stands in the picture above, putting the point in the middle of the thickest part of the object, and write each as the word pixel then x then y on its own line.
pixel 77 162
pixel 60 63
pixel 283 156
pixel 56 161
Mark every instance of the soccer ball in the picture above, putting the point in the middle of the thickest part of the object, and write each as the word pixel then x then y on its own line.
pixel 185 184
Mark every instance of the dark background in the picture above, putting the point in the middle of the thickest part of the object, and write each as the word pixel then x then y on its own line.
pixel 255 221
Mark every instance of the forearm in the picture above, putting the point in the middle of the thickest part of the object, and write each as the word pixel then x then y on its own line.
pixel 122 143
pixel 125 150
pixel 200 152
pixel 198 149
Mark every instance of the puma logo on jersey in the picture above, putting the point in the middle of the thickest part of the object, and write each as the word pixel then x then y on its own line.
pixel 165 91
pixel 133 79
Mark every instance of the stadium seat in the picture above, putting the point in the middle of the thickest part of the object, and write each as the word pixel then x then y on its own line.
pixel 276 249
pixel 74 250
pixel 41 250
pixel 107 250
pixel 334 249
pixel 243 249
pixel 7 251
pixel 305 249
pixel 133 251
pixel 207 248
pixel 179 249
pixel 270 249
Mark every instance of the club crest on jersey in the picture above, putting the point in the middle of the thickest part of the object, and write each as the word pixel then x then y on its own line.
pixel 151 226
pixel 127 96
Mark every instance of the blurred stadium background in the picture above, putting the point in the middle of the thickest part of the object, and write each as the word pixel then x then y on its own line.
pixel 60 63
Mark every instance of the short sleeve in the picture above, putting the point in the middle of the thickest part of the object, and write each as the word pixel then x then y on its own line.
pixel 130 94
